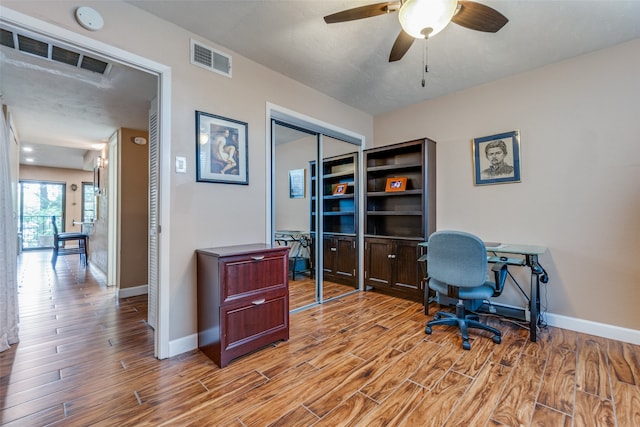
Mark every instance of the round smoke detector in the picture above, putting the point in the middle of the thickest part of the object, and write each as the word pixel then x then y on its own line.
pixel 89 18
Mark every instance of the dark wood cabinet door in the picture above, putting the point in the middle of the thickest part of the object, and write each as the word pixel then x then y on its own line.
pixel 340 259
pixel 346 257
pixel 407 269
pixel 329 251
pixel 378 266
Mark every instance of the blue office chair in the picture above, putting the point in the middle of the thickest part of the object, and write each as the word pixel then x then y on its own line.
pixel 457 268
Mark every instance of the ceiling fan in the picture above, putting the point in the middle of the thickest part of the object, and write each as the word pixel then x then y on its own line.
pixel 422 19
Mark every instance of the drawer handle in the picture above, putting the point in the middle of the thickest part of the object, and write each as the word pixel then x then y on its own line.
pixel 334 249
pixel 391 256
pixel 258 301
pixel 257 258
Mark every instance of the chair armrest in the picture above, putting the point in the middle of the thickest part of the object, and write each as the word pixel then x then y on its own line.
pixel 500 276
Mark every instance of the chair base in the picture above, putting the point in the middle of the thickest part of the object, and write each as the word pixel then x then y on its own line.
pixel 81 250
pixel 463 321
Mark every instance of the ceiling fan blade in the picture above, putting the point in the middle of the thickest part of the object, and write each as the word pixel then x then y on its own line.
pixel 479 17
pixel 363 12
pixel 400 46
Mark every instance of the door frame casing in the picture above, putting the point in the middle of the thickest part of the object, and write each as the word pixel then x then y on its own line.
pixel 163 72
pixel 113 208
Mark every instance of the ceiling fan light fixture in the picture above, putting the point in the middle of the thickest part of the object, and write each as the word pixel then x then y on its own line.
pixel 425 18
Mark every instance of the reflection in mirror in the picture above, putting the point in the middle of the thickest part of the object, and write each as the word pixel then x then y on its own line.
pixel 294 151
pixel 316 207
pixel 339 231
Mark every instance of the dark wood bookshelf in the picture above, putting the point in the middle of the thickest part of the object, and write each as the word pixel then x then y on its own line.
pixel 397 221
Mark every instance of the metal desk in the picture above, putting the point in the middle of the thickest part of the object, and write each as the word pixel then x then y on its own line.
pixel 297 241
pixel 524 256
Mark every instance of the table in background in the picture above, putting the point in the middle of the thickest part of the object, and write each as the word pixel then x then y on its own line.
pixel 519 255
pixel 298 243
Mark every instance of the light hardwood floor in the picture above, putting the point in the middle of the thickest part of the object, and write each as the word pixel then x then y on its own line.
pixel 302 291
pixel 87 359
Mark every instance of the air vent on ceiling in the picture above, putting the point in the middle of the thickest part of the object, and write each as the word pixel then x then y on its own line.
pixel 6 38
pixel 32 46
pixel 45 50
pixel 210 59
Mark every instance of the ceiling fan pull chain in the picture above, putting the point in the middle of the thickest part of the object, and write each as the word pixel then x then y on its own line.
pixel 425 64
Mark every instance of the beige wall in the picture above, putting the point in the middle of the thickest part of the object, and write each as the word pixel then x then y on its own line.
pixel 580 189
pixel 73 205
pixel 204 214
pixel 134 190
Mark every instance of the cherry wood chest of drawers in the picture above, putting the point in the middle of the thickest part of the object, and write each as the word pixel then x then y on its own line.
pixel 243 299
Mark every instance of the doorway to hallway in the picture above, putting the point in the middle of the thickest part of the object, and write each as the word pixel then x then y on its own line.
pixel 158 270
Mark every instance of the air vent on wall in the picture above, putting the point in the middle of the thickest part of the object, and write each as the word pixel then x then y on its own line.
pixel 45 50
pixel 210 59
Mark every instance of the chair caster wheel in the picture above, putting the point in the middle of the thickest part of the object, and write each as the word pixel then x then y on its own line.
pixel 466 345
pixel 436 317
pixel 497 339
pixel 427 330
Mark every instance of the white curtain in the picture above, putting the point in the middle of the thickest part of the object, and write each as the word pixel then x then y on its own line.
pixel 8 246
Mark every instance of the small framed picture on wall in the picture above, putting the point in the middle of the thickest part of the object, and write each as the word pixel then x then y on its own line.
pixel 296 184
pixel 221 150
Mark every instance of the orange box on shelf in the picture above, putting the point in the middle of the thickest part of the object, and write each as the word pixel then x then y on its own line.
pixel 396 184
pixel 340 189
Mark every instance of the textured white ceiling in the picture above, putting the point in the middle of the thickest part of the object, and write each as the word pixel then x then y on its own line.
pixel 347 61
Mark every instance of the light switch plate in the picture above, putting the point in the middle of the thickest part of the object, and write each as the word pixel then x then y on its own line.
pixel 181 164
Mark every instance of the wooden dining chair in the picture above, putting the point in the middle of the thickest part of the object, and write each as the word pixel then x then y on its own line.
pixel 60 247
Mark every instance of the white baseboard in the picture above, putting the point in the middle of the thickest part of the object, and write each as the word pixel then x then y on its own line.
pixel 133 291
pixel 183 345
pixel 594 328
pixel 586 326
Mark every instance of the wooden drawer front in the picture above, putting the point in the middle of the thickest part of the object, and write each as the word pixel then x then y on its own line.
pixel 245 276
pixel 250 325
